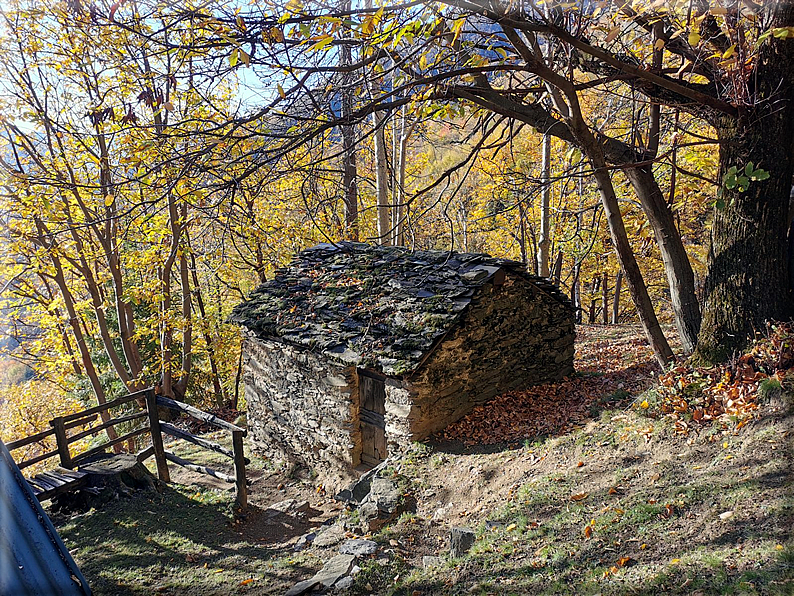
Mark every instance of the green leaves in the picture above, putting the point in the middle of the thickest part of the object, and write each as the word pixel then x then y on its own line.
pixel 739 179
pixel 777 33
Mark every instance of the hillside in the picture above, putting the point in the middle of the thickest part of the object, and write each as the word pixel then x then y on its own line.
pixel 609 494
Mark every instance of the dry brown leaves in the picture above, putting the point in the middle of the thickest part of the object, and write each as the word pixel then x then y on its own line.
pixel 199 427
pixel 623 363
pixel 696 396
pixel 692 396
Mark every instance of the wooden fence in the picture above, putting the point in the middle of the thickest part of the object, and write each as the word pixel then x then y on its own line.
pixel 48 484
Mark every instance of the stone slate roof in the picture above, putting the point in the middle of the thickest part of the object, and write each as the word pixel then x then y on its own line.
pixel 376 307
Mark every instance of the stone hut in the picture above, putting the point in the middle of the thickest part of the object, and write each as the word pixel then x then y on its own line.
pixel 353 351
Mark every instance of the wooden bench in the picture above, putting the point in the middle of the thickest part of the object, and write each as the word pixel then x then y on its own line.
pixel 55 482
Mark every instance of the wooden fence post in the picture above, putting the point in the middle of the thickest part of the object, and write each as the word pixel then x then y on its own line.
pixel 63 446
pixel 157 437
pixel 239 469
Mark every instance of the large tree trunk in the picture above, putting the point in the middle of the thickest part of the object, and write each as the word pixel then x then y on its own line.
pixel 748 281
pixel 748 277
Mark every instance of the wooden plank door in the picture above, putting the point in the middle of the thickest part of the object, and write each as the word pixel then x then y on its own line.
pixel 372 392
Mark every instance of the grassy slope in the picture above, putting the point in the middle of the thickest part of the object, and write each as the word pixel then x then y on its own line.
pixel 646 493
pixel 185 540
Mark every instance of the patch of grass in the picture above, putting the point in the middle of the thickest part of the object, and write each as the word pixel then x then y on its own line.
pixel 535 443
pixel 438 460
pixel 378 576
pixel 769 388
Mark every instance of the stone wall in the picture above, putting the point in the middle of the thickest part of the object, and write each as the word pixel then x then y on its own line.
pixel 400 415
pixel 302 409
pixel 512 336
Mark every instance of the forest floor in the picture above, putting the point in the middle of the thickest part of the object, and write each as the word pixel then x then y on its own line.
pixel 616 481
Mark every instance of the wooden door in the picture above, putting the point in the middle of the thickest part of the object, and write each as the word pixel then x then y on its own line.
pixel 372 392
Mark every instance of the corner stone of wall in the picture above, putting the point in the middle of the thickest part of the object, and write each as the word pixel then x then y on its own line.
pixel 400 411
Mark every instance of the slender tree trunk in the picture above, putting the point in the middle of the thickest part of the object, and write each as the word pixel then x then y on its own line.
pixel 237 377
pixel 557 271
pixel 400 204
pixel 620 240
pixel 543 243
pixel 677 268
pixel 350 182
pixel 205 331
pixel 258 254
pixel 85 354
pixel 616 298
pixel 577 291
pixel 635 282
pixel 605 299
pixel 655 111
pixel 180 387
pixel 522 232
pixel 382 184
pixel 349 168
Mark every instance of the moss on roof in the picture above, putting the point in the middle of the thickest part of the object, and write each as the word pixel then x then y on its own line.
pixel 377 307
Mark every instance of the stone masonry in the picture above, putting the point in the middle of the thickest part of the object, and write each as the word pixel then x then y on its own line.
pixel 303 408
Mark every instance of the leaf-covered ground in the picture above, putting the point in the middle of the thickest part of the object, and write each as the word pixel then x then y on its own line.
pixel 611 365
pixel 613 496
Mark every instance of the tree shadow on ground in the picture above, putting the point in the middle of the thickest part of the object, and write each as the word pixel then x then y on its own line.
pixel 175 543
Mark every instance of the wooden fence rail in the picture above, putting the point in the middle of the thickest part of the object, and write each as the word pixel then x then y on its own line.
pixel 155 427
pixel 60 425
pixel 162 457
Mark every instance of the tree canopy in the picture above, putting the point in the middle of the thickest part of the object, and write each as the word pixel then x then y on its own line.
pixel 160 161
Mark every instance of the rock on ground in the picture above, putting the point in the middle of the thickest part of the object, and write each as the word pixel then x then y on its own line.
pixel 334 570
pixel 344 584
pixel 383 504
pixel 460 541
pixel 358 547
pixel 330 536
